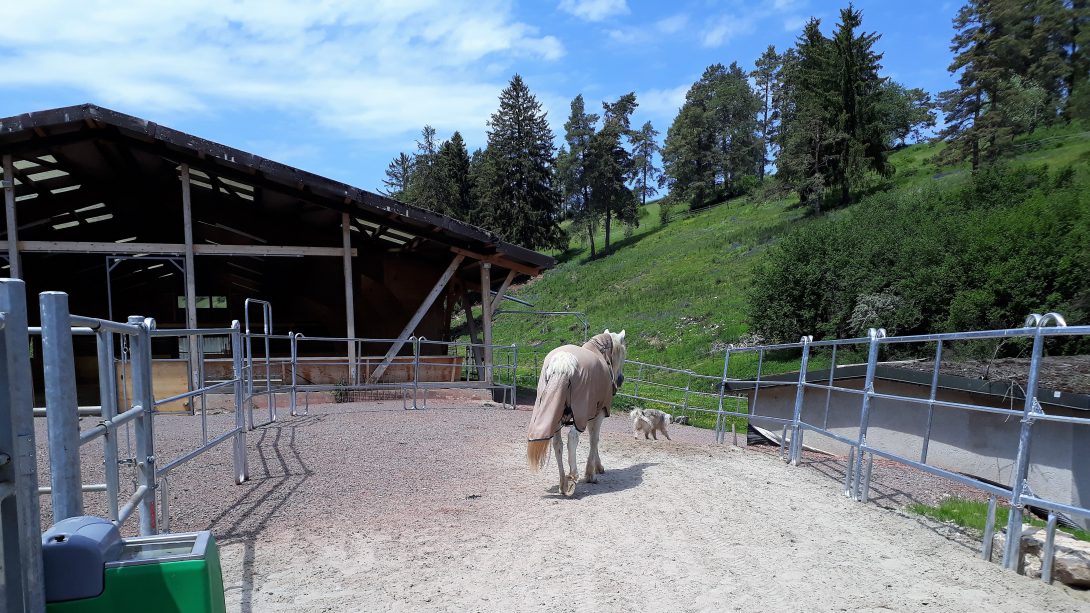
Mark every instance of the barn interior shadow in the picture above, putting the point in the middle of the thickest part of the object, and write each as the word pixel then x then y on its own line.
pixel 614 480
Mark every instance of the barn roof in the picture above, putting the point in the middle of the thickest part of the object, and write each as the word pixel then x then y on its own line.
pixel 42 132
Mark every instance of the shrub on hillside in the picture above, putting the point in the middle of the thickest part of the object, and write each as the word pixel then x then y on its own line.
pixel 1008 242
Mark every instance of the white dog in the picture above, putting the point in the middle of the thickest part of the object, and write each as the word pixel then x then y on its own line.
pixel 649 422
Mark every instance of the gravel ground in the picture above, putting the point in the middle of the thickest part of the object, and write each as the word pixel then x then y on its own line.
pixel 368 507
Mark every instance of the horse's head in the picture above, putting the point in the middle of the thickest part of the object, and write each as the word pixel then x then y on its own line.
pixel 613 348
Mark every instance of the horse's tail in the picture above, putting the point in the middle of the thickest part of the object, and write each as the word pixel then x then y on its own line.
pixel 549 407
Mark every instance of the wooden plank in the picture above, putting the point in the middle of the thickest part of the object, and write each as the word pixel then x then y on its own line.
pixel 12 246
pixel 498 298
pixel 174 249
pixel 478 360
pixel 486 317
pixel 417 316
pixel 499 260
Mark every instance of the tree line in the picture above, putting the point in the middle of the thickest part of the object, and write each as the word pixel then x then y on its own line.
pixel 817 119
pixel 521 186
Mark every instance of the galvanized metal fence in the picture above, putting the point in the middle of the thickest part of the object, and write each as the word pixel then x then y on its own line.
pixel 679 391
pixel 126 404
pixel 1037 329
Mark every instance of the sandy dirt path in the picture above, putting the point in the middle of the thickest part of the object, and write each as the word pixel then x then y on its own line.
pixel 361 508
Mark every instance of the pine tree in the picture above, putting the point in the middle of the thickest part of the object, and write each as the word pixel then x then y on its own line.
pixel 398 174
pixel 574 169
pixel 515 182
pixel 645 174
pixel 766 76
pixel 713 143
pixel 611 165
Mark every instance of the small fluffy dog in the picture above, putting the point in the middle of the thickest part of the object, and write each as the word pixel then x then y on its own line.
pixel 680 419
pixel 649 422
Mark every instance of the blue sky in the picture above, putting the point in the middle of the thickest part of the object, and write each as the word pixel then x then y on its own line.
pixel 339 87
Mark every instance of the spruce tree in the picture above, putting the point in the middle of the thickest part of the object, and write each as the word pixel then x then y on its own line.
pixel 766 75
pixel 574 169
pixel 645 173
pixel 806 112
pixel 611 165
pixel 518 199
pixel 452 170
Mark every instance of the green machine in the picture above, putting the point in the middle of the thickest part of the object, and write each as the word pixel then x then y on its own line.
pixel 89 568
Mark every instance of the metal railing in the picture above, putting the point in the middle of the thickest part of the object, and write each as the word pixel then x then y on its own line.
pixel 862 451
pixel 127 404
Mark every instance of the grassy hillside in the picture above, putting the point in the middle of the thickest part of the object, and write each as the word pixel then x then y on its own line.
pixel 679 290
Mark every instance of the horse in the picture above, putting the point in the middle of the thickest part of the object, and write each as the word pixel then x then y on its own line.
pixel 575 388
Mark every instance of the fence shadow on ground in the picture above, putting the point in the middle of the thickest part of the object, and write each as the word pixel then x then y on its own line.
pixel 282 472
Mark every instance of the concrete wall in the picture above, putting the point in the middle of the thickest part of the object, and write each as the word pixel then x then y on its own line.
pixel 972 442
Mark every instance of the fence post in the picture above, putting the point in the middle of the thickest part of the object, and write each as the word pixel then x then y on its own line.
pixel 688 386
pixel 864 413
pixel 292 406
pixel 1012 551
pixel 107 394
pixel 514 376
pixel 931 402
pixel 720 426
pixel 242 469
pixel 796 449
pixel 62 413
pixel 639 377
pixel 21 556
pixel 143 426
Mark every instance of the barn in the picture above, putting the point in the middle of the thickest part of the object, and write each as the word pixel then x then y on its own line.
pixel 131 217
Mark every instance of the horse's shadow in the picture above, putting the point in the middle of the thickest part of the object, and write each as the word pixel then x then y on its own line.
pixel 614 480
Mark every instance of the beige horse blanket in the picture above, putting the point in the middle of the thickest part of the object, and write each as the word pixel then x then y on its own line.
pixel 575 384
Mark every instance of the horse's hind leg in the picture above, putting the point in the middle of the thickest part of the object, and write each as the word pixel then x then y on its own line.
pixel 573 445
pixel 558 449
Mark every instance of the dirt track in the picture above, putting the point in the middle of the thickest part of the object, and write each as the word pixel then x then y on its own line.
pixel 358 507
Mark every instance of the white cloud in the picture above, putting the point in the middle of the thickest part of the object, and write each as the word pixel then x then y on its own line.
pixel 794 23
pixel 594 10
pixel 662 104
pixel 723 29
pixel 631 35
pixel 368 69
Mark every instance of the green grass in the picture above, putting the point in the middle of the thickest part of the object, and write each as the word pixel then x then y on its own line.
pixel 972 514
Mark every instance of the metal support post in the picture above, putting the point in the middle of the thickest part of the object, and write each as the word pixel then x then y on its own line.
pixel 931 402
pixel 190 280
pixel 796 450
pixel 720 419
pixel 349 296
pixel 1048 556
pixel 864 413
pixel 989 530
pixel 62 408
pixel 164 504
pixel 21 555
pixel 242 471
pixel 107 393
pixel 143 425
pixel 829 391
pixel 1013 550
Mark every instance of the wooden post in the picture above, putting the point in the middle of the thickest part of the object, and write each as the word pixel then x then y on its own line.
pixel 190 278
pixel 14 268
pixel 503 290
pixel 417 316
pixel 349 297
pixel 486 317
pixel 478 361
